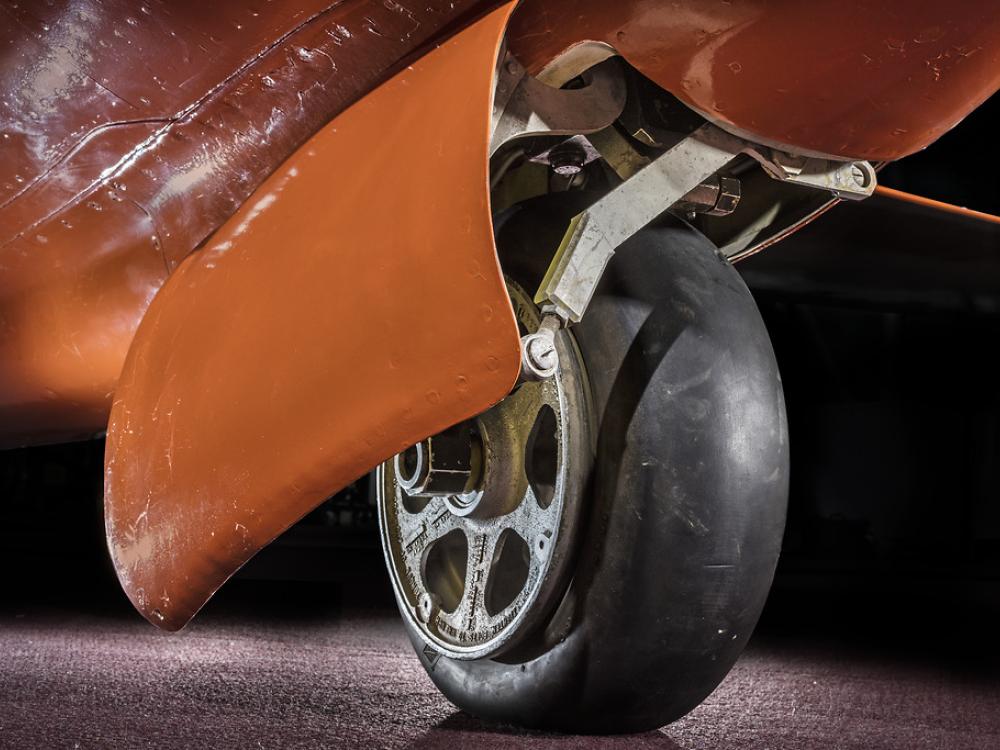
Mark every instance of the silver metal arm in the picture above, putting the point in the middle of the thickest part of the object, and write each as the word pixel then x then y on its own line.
pixel 594 235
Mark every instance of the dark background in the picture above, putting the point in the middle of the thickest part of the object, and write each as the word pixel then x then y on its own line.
pixel 886 321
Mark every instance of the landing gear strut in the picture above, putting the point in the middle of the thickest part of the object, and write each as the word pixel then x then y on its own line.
pixel 606 560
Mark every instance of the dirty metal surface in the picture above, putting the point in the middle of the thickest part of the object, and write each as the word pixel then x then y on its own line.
pixel 129 132
pixel 513 535
pixel 849 78
pixel 321 331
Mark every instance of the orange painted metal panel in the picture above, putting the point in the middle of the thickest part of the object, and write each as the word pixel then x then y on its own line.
pixel 128 135
pixel 351 307
pixel 861 79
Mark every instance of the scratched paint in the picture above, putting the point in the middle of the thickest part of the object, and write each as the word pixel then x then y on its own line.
pixel 127 137
pixel 129 134
pixel 254 390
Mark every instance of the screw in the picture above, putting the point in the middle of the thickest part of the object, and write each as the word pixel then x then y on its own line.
pixel 860 178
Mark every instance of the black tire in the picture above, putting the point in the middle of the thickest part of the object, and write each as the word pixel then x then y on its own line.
pixel 683 525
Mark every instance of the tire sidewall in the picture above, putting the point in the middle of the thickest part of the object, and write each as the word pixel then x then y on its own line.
pixel 682 522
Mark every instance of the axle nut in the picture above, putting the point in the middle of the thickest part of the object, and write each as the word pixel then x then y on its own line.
pixel 448 463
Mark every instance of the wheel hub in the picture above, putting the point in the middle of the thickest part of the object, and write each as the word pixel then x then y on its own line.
pixel 478 521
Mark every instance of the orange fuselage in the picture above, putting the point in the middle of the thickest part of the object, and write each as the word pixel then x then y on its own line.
pixel 129 136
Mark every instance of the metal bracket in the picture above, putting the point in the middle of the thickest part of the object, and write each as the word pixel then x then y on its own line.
pixel 594 235
pixel 846 180
pixel 524 106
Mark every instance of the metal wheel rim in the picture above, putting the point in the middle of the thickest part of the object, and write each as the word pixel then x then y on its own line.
pixel 515 531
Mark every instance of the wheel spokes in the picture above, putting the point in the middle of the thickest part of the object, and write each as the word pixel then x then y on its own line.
pixel 469 567
pixel 472 611
pixel 420 531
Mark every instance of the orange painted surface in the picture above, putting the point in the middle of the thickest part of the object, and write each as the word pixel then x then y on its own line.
pixel 863 79
pixel 128 135
pixel 351 307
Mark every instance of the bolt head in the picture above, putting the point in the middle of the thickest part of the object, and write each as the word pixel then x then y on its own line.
pixel 567 170
pixel 540 358
pixel 567 159
pixel 542 351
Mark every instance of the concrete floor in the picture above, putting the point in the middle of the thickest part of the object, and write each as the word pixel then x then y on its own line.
pixel 266 670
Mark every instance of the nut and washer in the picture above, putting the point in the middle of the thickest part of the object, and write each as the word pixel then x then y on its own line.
pixel 539 358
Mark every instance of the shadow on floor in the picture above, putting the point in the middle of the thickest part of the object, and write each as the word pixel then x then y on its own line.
pixel 462 730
